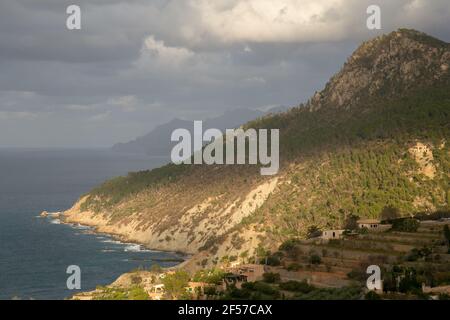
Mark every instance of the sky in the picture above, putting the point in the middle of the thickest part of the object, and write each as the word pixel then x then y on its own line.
pixel 136 64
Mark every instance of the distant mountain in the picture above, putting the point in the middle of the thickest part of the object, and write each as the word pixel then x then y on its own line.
pixel 157 142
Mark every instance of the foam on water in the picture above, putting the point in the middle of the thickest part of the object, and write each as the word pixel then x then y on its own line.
pixel 136 248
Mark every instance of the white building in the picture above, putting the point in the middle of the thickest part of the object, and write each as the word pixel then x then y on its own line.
pixel 369 224
pixel 332 234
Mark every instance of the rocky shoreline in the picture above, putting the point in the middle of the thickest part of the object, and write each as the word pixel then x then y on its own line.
pixel 96 229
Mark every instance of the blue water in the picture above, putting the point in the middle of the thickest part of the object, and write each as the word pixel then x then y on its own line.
pixel 35 252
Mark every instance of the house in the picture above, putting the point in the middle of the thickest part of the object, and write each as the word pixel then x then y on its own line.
pixel 235 280
pixel 436 290
pixel 156 292
pixel 197 289
pixel 369 224
pixel 332 234
pixel 253 272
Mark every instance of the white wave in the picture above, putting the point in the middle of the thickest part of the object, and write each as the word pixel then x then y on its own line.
pixel 111 241
pixel 81 227
pixel 108 250
pixel 135 248
pixel 55 221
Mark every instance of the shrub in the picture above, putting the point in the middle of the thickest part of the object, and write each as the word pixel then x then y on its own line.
pixel 389 213
pixel 296 286
pixel 271 277
pixel 447 234
pixel 294 267
pixel 313 232
pixel 289 245
pixel 351 223
pixel 372 295
pixel 273 261
pixel 315 259
pixel 405 225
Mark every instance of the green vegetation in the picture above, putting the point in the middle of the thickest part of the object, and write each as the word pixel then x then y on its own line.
pixel 372 295
pixel 271 277
pixel 315 259
pixel 405 225
pixel 112 293
pixel 115 190
pixel 351 223
pixel 175 284
pixel 346 293
pixel 348 142
pixel 296 286
pixel 314 232
pixel 447 234
pixel 389 213
pixel 253 291
pixel 212 276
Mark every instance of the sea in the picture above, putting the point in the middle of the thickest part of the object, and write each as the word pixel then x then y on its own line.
pixel 36 252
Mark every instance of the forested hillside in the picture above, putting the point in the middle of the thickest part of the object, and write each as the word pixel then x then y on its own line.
pixel 376 136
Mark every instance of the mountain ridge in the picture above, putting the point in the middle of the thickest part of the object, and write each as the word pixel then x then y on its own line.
pixel 344 152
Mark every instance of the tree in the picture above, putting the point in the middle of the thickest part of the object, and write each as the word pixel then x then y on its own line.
pixel 448 199
pixel 315 259
pixel 351 223
pixel 389 213
pixel 406 225
pixel 175 284
pixel 271 277
pixel 372 295
pixel 447 234
pixel 313 232
pixel 212 276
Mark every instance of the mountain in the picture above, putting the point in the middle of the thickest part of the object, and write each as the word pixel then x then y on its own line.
pixel 157 142
pixel 386 67
pixel 376 136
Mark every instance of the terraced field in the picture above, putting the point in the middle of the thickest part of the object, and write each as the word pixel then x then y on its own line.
pixel 343 262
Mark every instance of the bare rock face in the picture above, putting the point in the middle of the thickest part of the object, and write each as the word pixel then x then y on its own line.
pixel 387 66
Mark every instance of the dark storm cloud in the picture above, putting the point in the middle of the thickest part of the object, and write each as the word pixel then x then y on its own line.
pixel 138 63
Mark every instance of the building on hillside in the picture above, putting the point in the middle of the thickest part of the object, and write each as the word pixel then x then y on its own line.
pixel 157 292
pixel 369 224
pixel 253 272
pixel 197 289
pixel 234 280
pixel 436 290
pixel 332 234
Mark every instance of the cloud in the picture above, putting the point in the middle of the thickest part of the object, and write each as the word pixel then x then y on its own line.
pixel 100 117
pixel 14 115
pixel 138 63
pixel 204 23
pixel 157 50
pixel 255 80
pixel 126 103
